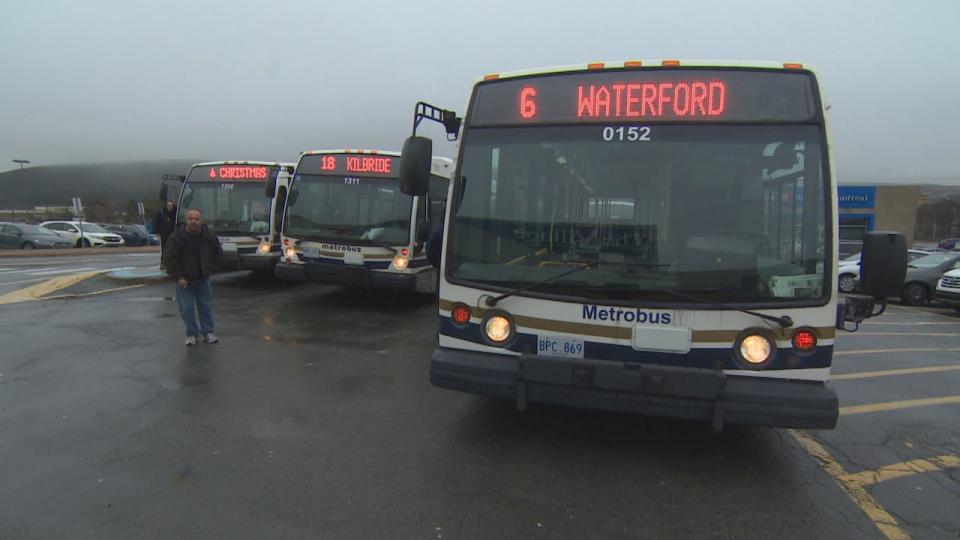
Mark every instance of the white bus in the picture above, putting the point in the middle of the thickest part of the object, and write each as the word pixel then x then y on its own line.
pixel 242 203
pixel 348 223
pixel 649 237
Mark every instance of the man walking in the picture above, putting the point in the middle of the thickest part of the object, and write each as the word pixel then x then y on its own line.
pixel 164 223
pixel 191 254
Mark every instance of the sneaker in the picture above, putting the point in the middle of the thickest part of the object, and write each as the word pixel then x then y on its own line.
pixel 211 338
pixel 191 340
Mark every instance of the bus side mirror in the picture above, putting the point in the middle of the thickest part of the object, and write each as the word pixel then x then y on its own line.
pixel 271 187
pixel 415 162
pixel 883 264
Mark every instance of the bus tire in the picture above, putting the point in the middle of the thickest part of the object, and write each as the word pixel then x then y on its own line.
pixel 915 294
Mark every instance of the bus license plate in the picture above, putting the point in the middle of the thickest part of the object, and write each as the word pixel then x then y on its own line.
pixel 229 246
pixel 560 346
pixel 311 252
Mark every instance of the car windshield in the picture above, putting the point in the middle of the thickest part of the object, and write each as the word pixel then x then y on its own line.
pixel 853 258
pixel 91 228
pixel 695 208
pixel 934 260
pixel 35 229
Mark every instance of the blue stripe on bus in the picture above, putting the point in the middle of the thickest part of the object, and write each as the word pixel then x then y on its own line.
pixel 708 358
pixel 376 265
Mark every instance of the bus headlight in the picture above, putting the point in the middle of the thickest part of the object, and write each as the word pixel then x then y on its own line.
pixel 291 253
pixel 400 262
pixel 498 329
pixel 755 350
pixel 264 248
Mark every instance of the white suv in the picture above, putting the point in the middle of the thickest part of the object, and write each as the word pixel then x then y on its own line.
pixel 948 289
pixel 93 234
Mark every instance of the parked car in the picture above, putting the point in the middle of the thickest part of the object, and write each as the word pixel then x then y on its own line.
pixel 923 275
pixel 132 236
pixel 848 270
pixel 152 239
pixel 948 243
pixel 948 288
pixel 93 234
pixel 23 236
pixel 848 248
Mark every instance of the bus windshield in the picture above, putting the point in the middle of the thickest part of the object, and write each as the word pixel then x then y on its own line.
pixel 348 209
pixel 735 213
pixel 239 208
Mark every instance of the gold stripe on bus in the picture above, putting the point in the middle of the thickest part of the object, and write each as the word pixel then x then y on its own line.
pixel 620 332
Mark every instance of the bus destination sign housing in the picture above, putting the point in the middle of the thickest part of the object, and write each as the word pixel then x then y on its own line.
pixel 371 165
pixel 647 95
pixel 231 173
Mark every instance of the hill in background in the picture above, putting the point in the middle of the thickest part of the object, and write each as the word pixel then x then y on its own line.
pixel 107 189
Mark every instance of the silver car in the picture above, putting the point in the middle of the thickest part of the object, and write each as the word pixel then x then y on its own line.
pixel 923 275
pixel 23 236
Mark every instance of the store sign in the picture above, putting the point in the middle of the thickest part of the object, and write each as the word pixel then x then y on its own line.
pixel 857 197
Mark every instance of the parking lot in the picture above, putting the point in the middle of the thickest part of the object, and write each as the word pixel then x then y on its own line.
pixel 314 417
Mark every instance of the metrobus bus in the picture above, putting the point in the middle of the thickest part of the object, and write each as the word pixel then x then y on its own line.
pixel 348 223
pixel 648 237
pixel 242 203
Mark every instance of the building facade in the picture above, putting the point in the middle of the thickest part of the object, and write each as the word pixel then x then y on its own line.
pixel 881 208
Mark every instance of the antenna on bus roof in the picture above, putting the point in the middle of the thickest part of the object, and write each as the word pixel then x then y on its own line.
pixel 449 119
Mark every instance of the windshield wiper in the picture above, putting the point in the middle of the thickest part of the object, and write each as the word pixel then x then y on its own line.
pixel 784 321
pixel 493 300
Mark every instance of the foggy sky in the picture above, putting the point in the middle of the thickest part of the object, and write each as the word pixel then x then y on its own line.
pixel 117 81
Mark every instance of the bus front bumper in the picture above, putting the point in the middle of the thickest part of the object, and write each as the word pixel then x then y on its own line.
pixel 654 390
pixel 358 276
pixel 229 261
pixel 259 263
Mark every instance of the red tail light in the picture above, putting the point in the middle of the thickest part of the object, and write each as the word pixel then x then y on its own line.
pixel 461 314
pixel 804 340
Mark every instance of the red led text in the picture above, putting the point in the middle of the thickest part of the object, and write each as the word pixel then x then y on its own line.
pixel 233 172
pixel 368 164
pixel 328 163
pixel 652 100
pixel 528 107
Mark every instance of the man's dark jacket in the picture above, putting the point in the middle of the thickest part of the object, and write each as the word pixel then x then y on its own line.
pixel 164 223
pixel 181 260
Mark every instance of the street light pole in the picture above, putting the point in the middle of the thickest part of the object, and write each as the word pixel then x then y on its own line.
pixel 22 162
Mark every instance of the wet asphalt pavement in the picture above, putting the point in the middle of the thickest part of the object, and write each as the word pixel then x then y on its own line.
pixel 314 417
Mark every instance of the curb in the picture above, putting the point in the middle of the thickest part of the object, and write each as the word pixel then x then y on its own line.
pixel 23 253
pixel 142 274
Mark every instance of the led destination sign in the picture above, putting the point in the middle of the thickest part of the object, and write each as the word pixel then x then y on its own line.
pixel 218 173
pixel 349 164
pixel 669 95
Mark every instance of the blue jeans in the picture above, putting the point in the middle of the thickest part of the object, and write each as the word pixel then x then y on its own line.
pixel 202 295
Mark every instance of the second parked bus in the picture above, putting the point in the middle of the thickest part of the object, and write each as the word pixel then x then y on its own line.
pixel 348 223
